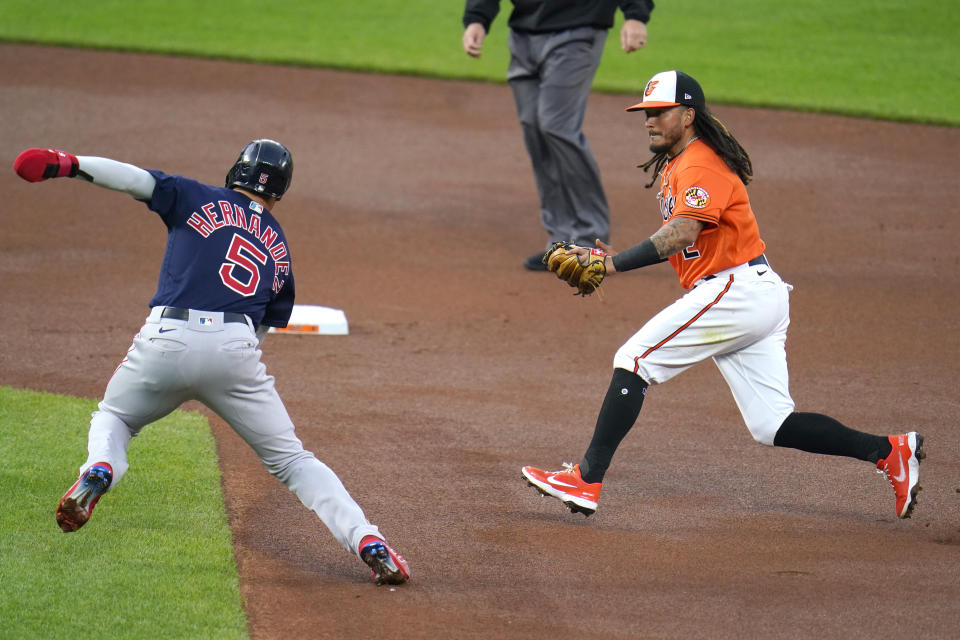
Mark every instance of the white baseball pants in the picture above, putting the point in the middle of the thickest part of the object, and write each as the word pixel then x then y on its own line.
pixel 738 317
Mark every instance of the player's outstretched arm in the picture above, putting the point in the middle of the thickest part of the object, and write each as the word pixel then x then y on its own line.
pixel 36 165
pixel 118 176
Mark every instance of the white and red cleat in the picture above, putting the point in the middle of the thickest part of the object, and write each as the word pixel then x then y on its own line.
pixel 902 469
pixel 388 566
pixel 78 502
pixel 567 486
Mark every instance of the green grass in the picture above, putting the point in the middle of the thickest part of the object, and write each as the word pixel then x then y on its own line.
pixel 156 560
pixel 880 58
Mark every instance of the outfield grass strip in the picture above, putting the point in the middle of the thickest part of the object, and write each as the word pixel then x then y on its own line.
pixel 155 561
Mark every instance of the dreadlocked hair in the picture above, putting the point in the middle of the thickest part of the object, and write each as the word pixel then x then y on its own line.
pixel 713 132
pixel 657 163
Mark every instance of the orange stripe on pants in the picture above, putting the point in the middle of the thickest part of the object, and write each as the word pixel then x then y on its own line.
pixel 673 335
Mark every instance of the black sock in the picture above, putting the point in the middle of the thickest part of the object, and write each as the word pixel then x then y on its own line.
pixel 817 433
pixel 620 409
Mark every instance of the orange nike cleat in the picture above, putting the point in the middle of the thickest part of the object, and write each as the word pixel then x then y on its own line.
pixel 567 486
pixel 902 468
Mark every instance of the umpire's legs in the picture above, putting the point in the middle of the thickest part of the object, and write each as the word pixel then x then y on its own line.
pixel 550 75
pixel 569 65
pixel 524 79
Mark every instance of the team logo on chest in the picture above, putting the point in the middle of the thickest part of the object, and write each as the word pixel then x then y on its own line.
pixel 696 197
pixel 667 201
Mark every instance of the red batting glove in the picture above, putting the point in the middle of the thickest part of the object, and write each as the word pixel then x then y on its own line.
pixel 34 165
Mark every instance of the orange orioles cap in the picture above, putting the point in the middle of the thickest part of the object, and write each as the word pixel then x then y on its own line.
pixel 670 89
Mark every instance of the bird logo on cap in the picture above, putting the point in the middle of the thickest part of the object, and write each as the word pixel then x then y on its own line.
pixel 650 87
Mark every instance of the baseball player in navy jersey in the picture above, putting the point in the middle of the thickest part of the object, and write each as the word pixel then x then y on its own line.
pixel 226 278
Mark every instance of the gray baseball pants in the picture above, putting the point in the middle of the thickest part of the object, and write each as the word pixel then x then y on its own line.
pixel 550 75
pixel 203 358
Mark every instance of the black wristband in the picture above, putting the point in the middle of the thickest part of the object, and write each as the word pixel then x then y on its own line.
pixel 639 255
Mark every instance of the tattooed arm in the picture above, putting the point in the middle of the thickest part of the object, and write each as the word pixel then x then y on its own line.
pixel 669 239
pixel 675 235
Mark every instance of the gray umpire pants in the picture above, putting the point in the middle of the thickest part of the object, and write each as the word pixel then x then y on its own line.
pixel 551 75
pixel 217 363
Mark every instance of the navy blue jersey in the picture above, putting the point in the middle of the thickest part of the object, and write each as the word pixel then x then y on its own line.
pixel 225 252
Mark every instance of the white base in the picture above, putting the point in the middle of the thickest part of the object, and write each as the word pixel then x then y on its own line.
pixel 313 320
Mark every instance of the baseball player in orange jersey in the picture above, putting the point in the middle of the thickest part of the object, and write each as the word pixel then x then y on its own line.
pixel 736 309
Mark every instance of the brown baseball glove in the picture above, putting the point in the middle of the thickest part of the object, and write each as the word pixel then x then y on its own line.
pixel 584 277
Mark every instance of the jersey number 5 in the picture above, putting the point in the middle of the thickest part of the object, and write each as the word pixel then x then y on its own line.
pixel 237 260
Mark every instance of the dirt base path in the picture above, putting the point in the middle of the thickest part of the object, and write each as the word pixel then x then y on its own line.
pixel 453 376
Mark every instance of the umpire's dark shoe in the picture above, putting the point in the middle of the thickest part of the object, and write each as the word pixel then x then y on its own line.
pixel 388 566
pixel 535 263
pixel 78 502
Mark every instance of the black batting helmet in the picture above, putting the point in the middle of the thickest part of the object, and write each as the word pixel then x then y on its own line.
pixel 264 166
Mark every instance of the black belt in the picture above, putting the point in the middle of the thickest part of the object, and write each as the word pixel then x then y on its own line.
pixel 175 313
pixel 761 259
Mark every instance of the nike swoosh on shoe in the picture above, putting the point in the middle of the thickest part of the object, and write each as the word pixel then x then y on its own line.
pixel 903 469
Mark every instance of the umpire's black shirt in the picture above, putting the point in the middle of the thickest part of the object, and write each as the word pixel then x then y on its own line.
pixel 556 15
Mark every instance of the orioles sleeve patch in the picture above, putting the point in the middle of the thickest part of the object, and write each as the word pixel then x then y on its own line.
pixel 696 197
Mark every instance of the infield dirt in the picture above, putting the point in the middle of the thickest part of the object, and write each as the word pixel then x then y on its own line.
pixel 412 208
